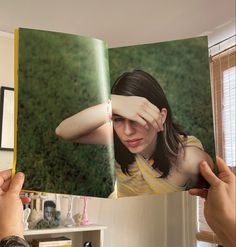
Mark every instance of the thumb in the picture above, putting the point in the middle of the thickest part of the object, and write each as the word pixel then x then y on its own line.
pixel 16 183
pixel 222 166
pixel 208 174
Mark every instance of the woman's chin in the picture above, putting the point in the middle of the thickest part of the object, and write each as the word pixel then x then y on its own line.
pixel 135 150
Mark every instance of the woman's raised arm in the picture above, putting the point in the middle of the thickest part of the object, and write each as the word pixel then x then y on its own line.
pixel 88 126
pixel 92 124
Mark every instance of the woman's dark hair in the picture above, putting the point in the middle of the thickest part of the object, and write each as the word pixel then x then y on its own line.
pixel 140 83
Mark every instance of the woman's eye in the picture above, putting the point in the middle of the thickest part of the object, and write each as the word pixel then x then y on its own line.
pixel 118 120
pixel 133 122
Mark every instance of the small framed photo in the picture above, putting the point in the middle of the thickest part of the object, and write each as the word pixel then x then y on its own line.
pixel 7 119
pixel 49 210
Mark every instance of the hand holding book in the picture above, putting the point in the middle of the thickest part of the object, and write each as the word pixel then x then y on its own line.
pixel 11 209
pixel 219 206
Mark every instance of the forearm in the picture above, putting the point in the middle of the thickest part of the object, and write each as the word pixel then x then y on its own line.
pixel 83 122
pixel 8 231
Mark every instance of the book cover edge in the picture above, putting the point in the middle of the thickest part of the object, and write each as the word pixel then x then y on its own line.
pixel 16 56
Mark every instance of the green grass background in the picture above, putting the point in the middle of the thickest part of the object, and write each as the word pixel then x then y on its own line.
pixel 60 75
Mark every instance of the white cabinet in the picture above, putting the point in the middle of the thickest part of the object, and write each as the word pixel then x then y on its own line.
pixel 80 234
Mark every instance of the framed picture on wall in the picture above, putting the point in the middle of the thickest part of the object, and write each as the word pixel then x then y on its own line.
pixel 7 119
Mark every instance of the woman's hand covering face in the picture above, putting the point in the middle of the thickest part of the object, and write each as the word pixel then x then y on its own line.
pixel 140 110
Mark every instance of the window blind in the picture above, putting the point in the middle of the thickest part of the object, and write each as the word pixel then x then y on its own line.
pixel 223 82
pixel 229 116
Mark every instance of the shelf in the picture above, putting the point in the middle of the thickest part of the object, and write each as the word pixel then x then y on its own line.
pixel 57 230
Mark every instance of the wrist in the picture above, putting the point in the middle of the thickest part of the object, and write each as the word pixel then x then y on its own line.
pixel 5 234
pixel 109 111
pixel 13 241
pixel 114 99
pixel 226 233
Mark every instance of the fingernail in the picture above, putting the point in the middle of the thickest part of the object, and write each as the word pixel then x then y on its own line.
pixel 21 175
pixel 204 164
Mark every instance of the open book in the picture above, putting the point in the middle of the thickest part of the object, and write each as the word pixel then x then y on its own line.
pixel 68 111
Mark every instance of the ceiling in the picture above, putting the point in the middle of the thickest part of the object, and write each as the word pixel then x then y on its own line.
pixel 121 22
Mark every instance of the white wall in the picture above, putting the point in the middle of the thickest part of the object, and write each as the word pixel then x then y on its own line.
pixel 222 32
pixel 137 221
pixel 147 221
pixel 6 79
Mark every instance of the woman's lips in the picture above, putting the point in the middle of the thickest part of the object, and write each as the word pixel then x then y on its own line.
pixel 133 143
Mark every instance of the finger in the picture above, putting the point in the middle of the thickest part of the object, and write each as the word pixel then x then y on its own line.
pixel 160 119
pixel 152 106
pixel 204 194
pixel 25 200
pixel 160 122
pixel 141 121
pixel 24 197
pixel 6 185
pixel 149 118
pixel 222 166
pixel 198 192
pixel 4 175
pixel 16 183
pixel 156 115
pixel 208 174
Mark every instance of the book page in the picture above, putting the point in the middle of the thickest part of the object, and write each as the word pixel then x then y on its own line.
pixel 60 75
pixel 167 85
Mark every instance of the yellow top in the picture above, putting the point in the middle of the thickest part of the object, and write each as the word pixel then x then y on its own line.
pixel 145 179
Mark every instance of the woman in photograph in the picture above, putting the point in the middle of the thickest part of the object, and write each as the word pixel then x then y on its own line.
pixel 153 154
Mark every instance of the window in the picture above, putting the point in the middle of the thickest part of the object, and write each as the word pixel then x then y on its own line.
pixel 223 82
pixel 223 91
pixel 229 116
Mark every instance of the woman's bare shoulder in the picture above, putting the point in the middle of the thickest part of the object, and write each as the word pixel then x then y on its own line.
pixel 191 157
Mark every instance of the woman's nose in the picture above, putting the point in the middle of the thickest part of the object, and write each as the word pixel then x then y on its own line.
pixel 128 127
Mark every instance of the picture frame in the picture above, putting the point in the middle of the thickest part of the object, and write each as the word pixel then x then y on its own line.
pixel 7 119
